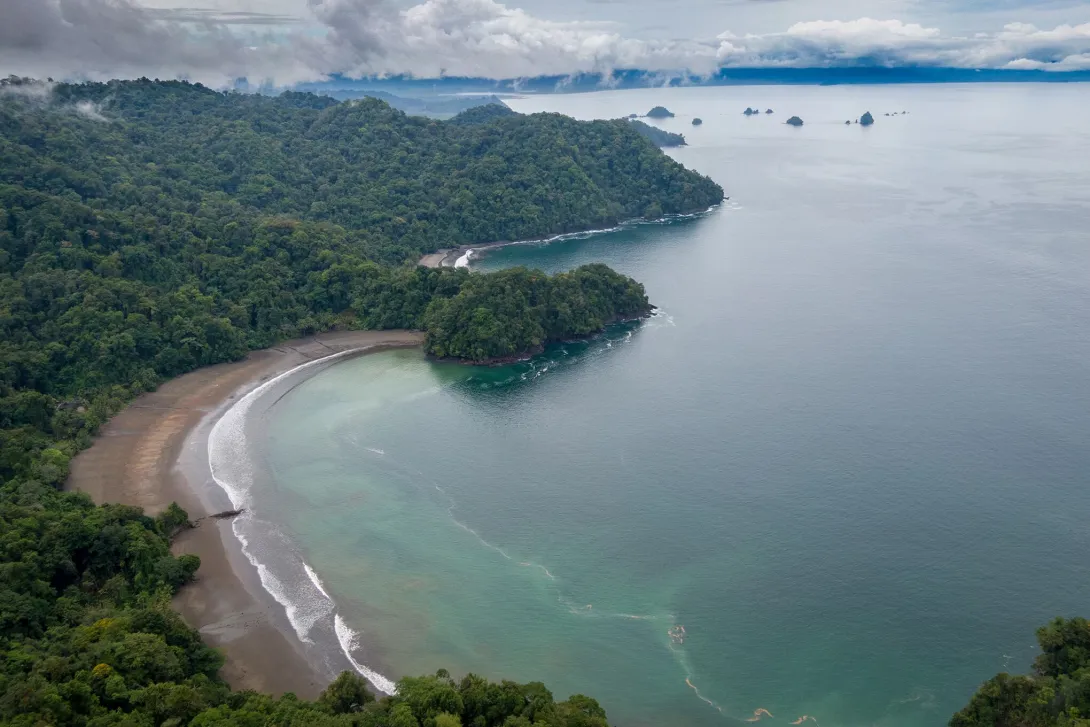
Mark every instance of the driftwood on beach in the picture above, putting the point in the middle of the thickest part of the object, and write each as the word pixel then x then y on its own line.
pixel 219 516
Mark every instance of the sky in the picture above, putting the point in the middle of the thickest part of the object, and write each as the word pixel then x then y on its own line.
pixel 282 42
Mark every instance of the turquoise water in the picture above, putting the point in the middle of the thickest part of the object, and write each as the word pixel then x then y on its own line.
pixel 848 458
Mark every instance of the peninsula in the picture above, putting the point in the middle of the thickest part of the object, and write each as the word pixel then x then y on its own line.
pixel 157 230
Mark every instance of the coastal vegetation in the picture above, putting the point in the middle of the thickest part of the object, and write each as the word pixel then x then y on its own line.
pixel 148 228
pixel 1056 694
pixel 88 639
pixel 657 136
pixel 510 313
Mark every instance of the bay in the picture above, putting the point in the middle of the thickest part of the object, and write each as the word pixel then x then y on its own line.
pixel 848 456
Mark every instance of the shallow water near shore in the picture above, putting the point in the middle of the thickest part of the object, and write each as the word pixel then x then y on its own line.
pixel 848 456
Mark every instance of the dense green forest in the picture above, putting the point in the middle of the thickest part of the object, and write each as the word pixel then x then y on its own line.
pixel 148 228
pixel 512 312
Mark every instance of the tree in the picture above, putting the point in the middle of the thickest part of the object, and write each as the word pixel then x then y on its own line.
pixel 346 694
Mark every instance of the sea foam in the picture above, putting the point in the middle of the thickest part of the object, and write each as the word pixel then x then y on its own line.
pixel 315 579
pixel 347 638
pixel 305 600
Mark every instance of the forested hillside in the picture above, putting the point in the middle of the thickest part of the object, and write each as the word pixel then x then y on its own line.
pixel 149 228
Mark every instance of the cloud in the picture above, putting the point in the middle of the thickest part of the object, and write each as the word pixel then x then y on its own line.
pixel 223 17
pixel 118 38
pixel 485 38
pixel 892 43
pixel 112 38
pixel 90 110
pixel 36 91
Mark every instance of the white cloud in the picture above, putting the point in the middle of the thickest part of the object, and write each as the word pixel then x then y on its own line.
pixel 117 38
pixel 90 110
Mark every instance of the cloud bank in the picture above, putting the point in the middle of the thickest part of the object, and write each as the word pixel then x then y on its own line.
pixel 99 39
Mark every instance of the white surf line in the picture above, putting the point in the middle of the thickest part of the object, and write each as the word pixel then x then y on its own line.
pixel 226 439
pixel 464 260
pixel 347 639
pixel 315 579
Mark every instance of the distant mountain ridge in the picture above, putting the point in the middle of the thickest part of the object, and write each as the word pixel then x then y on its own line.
pixel 427 88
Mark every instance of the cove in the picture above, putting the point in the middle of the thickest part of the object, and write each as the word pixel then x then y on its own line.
pixel 847 457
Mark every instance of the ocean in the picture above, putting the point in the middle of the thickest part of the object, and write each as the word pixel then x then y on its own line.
pixel 839 477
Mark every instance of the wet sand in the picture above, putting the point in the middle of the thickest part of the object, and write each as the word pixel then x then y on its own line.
pixel 438 259
pixel 149 455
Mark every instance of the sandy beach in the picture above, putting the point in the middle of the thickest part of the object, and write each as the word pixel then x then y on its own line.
pixel 439 259
pixel 448 258
pixel 149 455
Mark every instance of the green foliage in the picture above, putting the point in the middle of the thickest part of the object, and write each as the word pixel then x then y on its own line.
pixel 657 136
pixel 346 694
pixel 1058 694
pixel 483 113
pixel 1065 647
pixel 515 312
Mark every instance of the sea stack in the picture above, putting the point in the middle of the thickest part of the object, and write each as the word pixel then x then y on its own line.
pixel 660 112
pixel 866 119
pixel 750 112
pixel 697 121
pixel 794 121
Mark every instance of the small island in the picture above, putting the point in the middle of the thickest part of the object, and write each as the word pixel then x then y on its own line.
pixel 697 121
pixel 750 111
pixel 794 121
pixel 866 119
pixel 660 112
pixel 768 111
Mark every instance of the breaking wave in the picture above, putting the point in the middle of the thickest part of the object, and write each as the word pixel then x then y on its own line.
pixel 294 584
pixel 348 640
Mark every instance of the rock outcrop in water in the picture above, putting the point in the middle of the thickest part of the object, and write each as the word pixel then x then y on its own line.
pixel 697 121
pixel 750 111
pixel 866 119
pixel 794 121
pixel 769 111
pixel 660 112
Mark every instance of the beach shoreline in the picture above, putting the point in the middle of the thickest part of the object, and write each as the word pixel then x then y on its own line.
pixel 155 452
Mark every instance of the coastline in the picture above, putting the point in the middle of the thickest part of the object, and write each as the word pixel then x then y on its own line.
pixel 155 452
pixel 451 257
